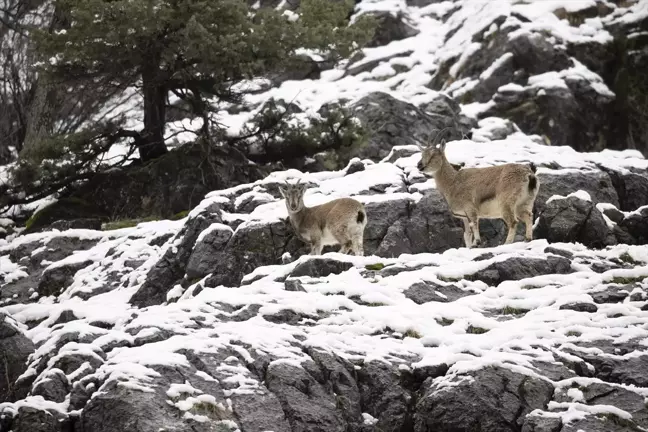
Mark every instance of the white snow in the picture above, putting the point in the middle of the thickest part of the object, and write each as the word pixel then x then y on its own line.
pixel 580 194
pixel 10 271
pixel 496 65
pixel 213 227
pixel 357 317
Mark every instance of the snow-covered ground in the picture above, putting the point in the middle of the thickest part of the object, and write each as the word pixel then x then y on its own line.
pixel 367 312
pixel 357 314
pixel 362 314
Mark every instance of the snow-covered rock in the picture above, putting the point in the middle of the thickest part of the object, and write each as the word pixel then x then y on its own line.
pixel 218 321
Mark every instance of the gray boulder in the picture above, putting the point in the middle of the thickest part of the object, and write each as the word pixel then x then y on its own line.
pixel 518 268
pixel 495 400
pixel 170 269
pixel 206 255
pixel 391 28
pixel 577 114
pixel 395 122
pixel 385 396
pixel 320 267
pixel 632 189
pixel 82 223
pixel 15 348
pixel 252 246
pixel 620 370
pixel 424 292
pixel 597 184
pixel 636 225
pixel 580 307
pixel 538 423
pixel 112 409
pixel 404 226
pixel 573 219
pixel 306 403
pixel 57 279
pixel 53 386
pixel 30 419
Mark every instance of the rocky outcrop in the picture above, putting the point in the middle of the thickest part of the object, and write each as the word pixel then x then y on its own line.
pixel 172 267
pixel 274 354
pixel 33 276
pixel 234 236
pixel 596 183
pixel 574 219
pixel 174 183
pixel 398 123
pixel 500 401
pixel 573 87
pixel 514 269
pixel 636 225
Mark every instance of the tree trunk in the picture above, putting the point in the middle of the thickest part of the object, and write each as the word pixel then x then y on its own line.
pixel 43 107
pixel 152 144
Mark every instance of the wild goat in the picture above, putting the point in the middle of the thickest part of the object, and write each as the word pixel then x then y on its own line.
pixel 341 221
pixel 498 192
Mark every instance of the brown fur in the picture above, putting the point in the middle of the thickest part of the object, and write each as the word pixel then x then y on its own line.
pixel 504 191
pixel 341 221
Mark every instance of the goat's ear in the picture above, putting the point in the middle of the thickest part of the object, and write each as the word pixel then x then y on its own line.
pixel 282 191
pixel 442 145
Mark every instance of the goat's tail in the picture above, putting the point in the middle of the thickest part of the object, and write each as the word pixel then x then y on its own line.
pixel 361 217
pixel 533 183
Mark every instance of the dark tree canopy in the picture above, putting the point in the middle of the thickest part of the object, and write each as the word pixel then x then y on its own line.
pixel 196 49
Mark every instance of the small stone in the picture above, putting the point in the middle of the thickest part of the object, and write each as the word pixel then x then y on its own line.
pixel 294 285
pixel 556 251
pixel 355 165
pixel 580 307
pixel 320 267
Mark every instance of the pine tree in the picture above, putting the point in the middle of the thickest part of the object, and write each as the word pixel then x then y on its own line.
pixel 197 49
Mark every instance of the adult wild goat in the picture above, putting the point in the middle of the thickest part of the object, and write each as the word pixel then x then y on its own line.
pixel 341 221
pixel 499 192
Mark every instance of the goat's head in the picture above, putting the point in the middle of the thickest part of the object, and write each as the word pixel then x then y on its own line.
pixel 432 155
pixel 294 195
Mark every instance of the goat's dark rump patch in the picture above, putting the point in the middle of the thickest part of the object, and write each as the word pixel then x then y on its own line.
pixel 533 182
pixel 486 198
pixel 361 217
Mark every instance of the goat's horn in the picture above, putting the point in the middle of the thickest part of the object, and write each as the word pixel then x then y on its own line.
pixel 439 135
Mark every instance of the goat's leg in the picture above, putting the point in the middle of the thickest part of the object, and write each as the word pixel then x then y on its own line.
pixel 473 223
pixel 527 217
pixel 357 246
pixel 468 237
pixel 316 248
pixel 316 245
pixel 346 247
pixel 511 222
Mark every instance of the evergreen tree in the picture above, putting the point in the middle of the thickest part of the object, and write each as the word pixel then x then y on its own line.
pixel 197 49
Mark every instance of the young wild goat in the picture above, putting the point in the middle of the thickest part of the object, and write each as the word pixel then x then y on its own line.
pixel 341 221
pixel 504 191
